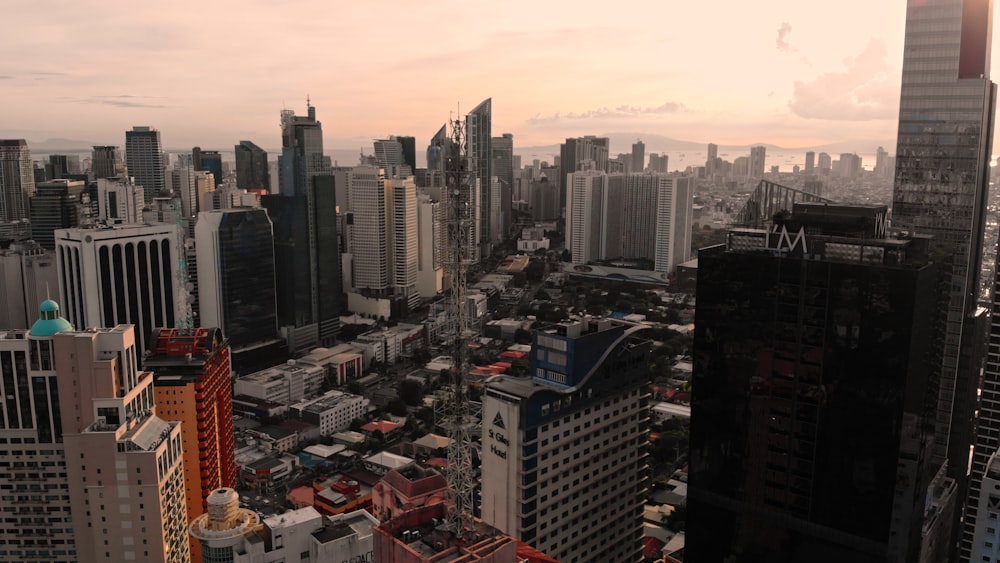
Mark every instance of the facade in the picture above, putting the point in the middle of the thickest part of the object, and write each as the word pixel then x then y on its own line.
pixel 193 386
pixel 60 204
pixel 333 412
pixel 17 180
pixel 503 170
pixel 284 384
pixel 430 246
pixel 119 200
pixel 580 153
pixel 674 208
pixel 143 159
pixel 638 156
pixel 28 275
pixel 479 147
pixel 810 423
pixel 564 451
pixel 985 544
pixel 37 523
pixel 121 274
pixel 126 479
pixel 940 189
pixel 306 242
pixel 107 162
pixel 251 167
pixel 236 287
pixel 208 161
pixel 757 160
pixel 183 182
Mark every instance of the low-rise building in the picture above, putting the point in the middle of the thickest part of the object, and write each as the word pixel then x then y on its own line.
pixel 285 384
pixel 384 462
pixel 407 488
pixel 343 362
pixel 333 412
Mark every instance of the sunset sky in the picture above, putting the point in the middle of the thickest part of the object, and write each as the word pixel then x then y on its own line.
pixel 212 73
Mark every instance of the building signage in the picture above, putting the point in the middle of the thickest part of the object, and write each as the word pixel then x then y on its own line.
pixel 499 443
pixel 364 558
pixel 779 241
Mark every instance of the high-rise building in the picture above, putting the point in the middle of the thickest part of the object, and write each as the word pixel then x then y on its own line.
pixel 301 152
pixel 192 382
pixel 119 200
pixel 409 150
pixel 384 252
pixel 503 170
pixel 824 163
pixel 144 160
pixel 850 165
pixel 810 161
pixel 809 427
pixel 17 180
pixel 60 204
pixel 107 162
pixel 659 163
pixel 984 545
pixel 589 152
pixel 941 183
pixel 638 156
pixel 757 158
pixel 28 277
pixel 479 147
pixel 713 155
pixel 64 165
pixel 124 463
pixel 38 522
pixel 306 241
pixel 437 149
pixel 236 291
pixel 204 189
pixel 389 156
pixel 125 274
pixel 564 451
pixel 251 167
pixel 430 250
pixel 208 161
pixel 674 210
pixel 882 168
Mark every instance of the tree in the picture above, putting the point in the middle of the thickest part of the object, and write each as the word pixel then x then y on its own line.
pixel 396 407
pixel 676 520
pixel 410 392
pixel 355 387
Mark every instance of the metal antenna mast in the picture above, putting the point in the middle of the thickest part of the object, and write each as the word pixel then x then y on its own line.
pixel 460 418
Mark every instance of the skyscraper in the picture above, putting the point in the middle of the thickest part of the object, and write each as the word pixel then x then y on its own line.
pixel 126 478
pixel 409 150
pixel 390 157
pixel 757 158
pixel 940 189
pixel 63 165
pixel 236 287
pixel 144 160
pixel 60 204
pixel 107 162
pixel 503 169
pixel 119 200
pixel 810 161
pixel 251 167
pixel 208 161
pixel 809 392
pixel 126 274
pixel 713 155
pixel 28 277
pixel 38 522
pixel 638 156
pixel 479 146
pixel 17 180
pixel 301 151
pixel 564 452
pixel 192 382
pixel 573 154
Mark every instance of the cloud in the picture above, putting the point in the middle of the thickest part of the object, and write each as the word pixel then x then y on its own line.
pixel 603 113
pixel 5 77
pixel 783 32
pixel 866 89
pixel 122 101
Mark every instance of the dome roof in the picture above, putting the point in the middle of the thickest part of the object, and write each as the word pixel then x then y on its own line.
pixel 50 322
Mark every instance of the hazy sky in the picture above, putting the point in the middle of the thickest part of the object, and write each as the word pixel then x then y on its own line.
pixel 214 72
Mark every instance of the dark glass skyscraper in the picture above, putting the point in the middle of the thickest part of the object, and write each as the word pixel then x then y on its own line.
pixel 17 179
pixel 943 151
pixel 479 142
pixel 144 160
pixel 107 162
pixel 60 204
pixel 208 161
pixel 503 168
pixel 809 414
pixel 251 167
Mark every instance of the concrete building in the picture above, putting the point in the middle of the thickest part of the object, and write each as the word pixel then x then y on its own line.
pixel 120 200
pixel 405 489
pixel 564 451
pixel 28 276
pixel 60 204
pixel 416 537
pixel 284 384
pixel 479 146
pixel 17 180
pixel 192 385
pixel 144 160
pixel 107 162
pixel 126 479
pixel 430 246
pixel 758 156
pixel 221 529
pixel 120 274
pixel 36 523
pixel 333 412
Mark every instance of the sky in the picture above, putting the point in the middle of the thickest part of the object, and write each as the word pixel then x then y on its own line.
pixel 212 73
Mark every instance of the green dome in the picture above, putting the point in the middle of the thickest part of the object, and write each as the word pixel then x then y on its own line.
pixel 50 322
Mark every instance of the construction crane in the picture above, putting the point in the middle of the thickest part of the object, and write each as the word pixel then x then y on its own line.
pixel 460 417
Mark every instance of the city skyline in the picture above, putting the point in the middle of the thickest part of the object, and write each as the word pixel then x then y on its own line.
pixel 759 74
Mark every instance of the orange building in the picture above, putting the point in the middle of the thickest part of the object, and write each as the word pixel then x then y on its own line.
pixel 193 386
